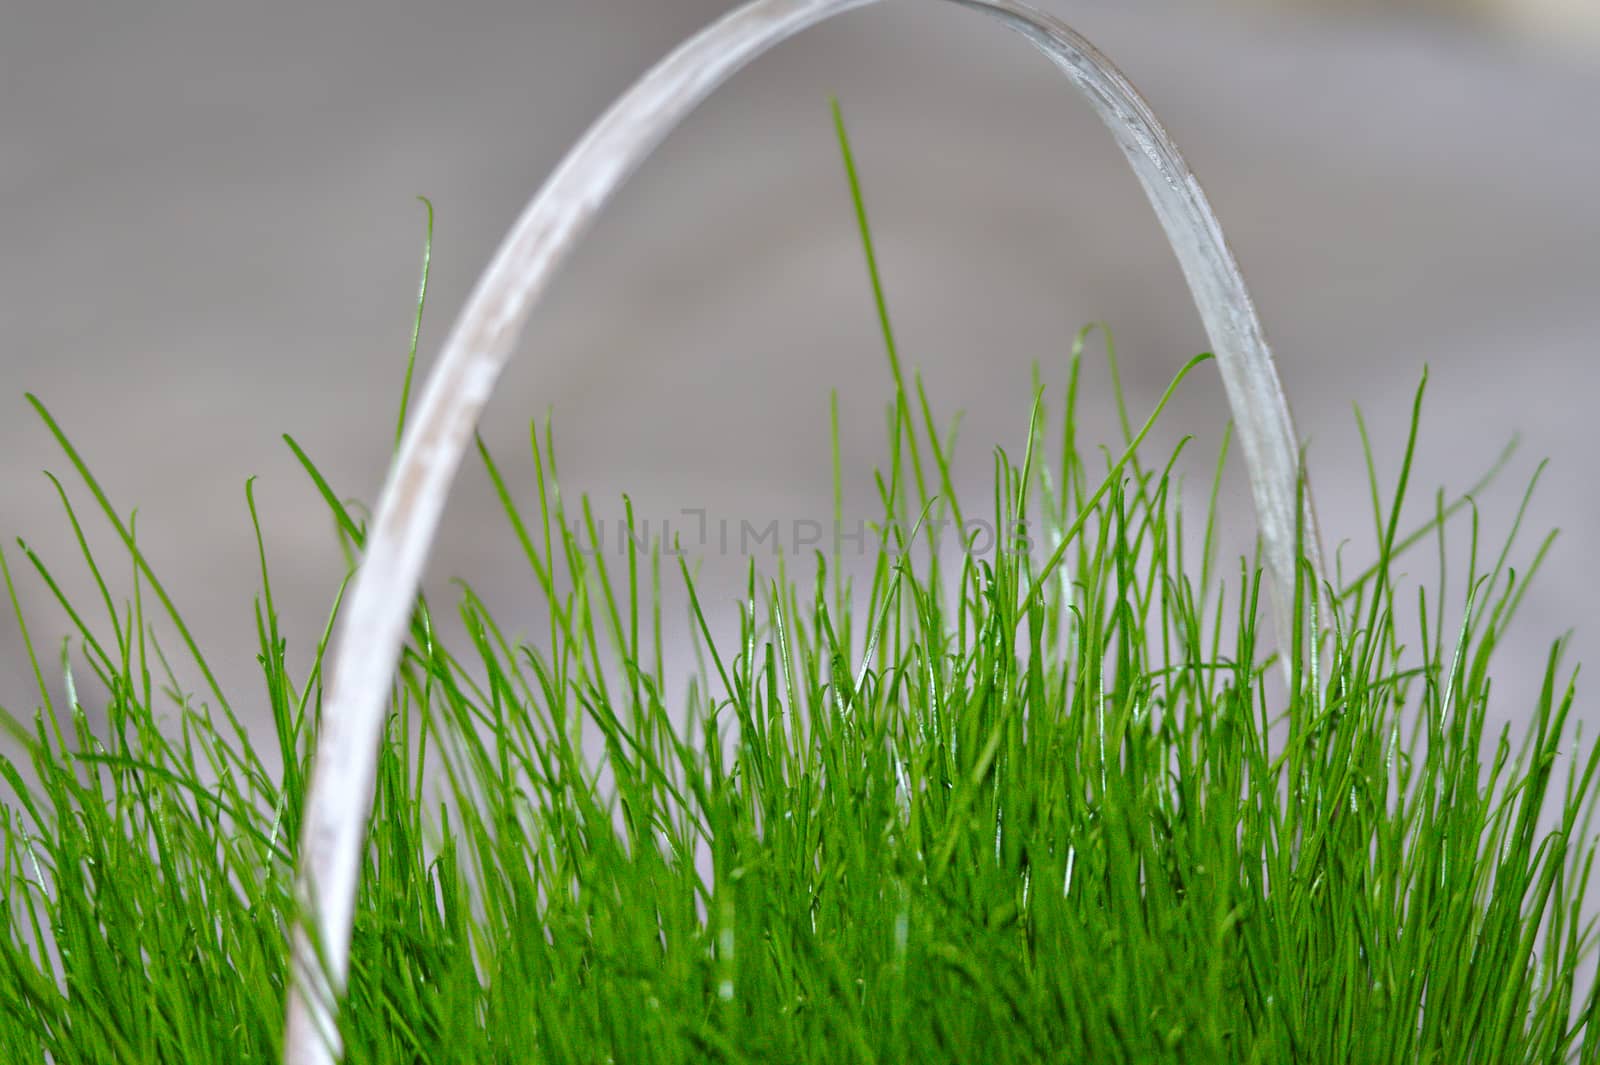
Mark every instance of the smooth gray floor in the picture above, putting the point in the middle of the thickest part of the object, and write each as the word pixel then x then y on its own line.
pixel 208 237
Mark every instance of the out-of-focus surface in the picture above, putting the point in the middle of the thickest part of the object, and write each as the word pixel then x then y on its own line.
pixel 1573 23
pixel 210 238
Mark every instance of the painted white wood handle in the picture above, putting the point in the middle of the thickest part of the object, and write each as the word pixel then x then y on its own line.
pixel 339 801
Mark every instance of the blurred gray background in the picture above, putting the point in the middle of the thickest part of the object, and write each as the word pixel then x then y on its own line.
pixel 209 236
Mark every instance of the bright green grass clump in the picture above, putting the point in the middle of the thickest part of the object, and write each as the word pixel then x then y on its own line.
pixel 1048 802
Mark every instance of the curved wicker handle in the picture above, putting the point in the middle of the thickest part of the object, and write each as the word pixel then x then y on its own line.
pixel 339 801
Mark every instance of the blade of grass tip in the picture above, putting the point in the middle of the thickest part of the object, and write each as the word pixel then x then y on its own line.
pixel 415 491
pixel 1208 546
pixel 139 626
pixel 880 301
pixel 88 556
pixel 1071 531
pixel 1120 398
pixel 45 701
pixel 416 325
pixel 278 684
pixel 1391 530
pixel 1511 537
pixel 941 456
pixel 336 506
pixel 838 499
pixel 91 644
pixel 514 516
pixel 1117 394
pixel 111 515
pixel 1465 499
pixel 28 638
pixel 1071 464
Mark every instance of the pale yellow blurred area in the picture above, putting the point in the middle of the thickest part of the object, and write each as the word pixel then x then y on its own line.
pixel 1569 24
pixel 1575 22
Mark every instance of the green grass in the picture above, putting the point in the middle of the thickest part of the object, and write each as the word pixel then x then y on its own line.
pixel 1050 802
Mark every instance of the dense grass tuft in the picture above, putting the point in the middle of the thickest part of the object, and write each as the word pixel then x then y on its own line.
pixel 1047 802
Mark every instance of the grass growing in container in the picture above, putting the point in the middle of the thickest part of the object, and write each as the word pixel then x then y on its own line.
pixel 1042 803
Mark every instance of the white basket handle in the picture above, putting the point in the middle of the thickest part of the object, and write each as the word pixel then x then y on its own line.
pixel 339 801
